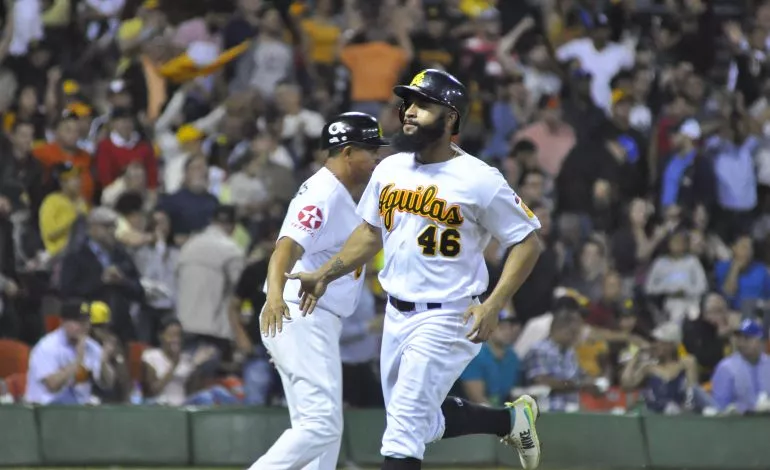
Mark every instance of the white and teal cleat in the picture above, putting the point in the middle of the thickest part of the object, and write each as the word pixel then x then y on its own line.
pixel 523 436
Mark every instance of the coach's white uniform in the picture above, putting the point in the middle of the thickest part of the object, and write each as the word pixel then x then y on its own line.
pixel 306 353
pixel 436 219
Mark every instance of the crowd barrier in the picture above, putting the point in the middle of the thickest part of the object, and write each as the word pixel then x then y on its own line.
pixel 155 436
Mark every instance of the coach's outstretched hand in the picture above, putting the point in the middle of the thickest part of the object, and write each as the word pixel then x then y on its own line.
pixel 271 321
pixel 312 287
pixel 485 321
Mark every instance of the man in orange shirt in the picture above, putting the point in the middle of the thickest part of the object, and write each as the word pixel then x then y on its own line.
pixel 65 149
pixel 374 63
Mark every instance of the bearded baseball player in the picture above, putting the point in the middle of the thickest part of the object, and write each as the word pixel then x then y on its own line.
pixel 433 208
pixel 305 349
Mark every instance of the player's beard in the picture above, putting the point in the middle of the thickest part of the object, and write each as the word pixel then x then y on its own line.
pixel 420 139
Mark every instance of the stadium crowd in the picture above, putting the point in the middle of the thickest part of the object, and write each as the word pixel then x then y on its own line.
pixel 149 150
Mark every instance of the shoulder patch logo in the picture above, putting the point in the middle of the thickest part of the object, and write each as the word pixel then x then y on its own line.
pixel 310 217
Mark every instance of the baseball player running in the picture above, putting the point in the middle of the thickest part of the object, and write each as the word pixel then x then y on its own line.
pixel 434 208
pixel 306 352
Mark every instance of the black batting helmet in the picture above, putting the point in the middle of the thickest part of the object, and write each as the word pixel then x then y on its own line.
pixel 437 87
pixel 352 129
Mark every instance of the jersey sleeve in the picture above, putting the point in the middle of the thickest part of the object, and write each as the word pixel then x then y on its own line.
pixel 369 205
pixel 507 218
pixel 305 221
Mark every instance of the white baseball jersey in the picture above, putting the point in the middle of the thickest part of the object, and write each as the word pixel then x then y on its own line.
pixel 320 218
pixel 436 220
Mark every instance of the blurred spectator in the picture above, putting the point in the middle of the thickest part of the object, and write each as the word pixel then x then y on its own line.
pixel 27 109
pixel 704 243
pixel 708 337
pixel 248 189
pixel 552 136
pixel 191 208
pixel 117 98
pixel 736 180
pixel 436 45
pixel 678 278
pixel 359 342
pixel 178 141
pixel 553 363
pixel 742 280
pixel 64 149
pixel 587 278
pixel 115 355
pixel 598 56
pixel 245 308
pixel 495 371
pixel 131 229
pixel 210 265
pixel 688 177
pixel 367 42
pixel 20 173
pixel 301 127
pixel 174 377
pixel 531 188
pixel 66 363
pixel 605 312
pixel 669 381
pixel 61 208
pixel 269 59
pixel 634 243
pixel 133 180
pixel 625 150
pixel 123 146
pixel 100 269
pixel 537 77
pixel 741 381
pixel 157 264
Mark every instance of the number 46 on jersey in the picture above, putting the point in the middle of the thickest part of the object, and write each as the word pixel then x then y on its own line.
pixel 445 242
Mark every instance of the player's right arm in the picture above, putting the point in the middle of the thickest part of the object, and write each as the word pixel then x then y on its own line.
pixel 362 245
pixel 287 253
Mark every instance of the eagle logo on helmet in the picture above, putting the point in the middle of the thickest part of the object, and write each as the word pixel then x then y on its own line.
pixel 418 79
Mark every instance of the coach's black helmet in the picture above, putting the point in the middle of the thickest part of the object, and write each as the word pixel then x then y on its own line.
pixel 438 87
pixel 352 129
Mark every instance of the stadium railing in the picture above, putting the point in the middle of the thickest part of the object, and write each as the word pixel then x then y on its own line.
pixel 157 436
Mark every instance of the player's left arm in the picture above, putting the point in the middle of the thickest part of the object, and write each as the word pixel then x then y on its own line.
pixel 287 253
pixel 511 222
pixel 518 266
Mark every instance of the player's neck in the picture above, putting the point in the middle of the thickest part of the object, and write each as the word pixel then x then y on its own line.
pixel 439 152
pixel 353 188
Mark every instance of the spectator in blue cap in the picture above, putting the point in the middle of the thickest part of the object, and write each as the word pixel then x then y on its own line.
pixel 741 381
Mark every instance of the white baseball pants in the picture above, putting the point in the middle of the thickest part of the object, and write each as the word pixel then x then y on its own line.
pixel 423 354
pixel 307 356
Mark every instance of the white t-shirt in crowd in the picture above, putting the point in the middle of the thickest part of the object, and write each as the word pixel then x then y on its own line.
pixel 603 65
pixel 174 393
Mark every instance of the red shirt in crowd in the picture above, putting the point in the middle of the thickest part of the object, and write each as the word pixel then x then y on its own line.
pixel 114 154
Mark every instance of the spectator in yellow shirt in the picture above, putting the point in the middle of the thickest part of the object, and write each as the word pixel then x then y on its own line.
pixel 61 208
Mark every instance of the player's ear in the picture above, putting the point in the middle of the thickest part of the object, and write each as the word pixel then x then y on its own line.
pixel 451 119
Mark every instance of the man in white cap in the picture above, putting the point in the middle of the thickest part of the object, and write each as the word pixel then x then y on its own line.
pixel 688 178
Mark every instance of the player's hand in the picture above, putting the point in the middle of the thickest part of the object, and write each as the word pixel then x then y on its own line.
pixel 312 287
pixel 275 311
pixel 485 321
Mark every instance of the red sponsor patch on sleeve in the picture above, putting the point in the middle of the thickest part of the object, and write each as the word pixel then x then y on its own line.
pixel 310 217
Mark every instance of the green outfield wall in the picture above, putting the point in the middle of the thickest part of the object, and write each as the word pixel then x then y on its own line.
pixel 156 436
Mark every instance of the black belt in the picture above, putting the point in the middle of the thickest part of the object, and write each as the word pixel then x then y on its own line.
pixel 404 306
